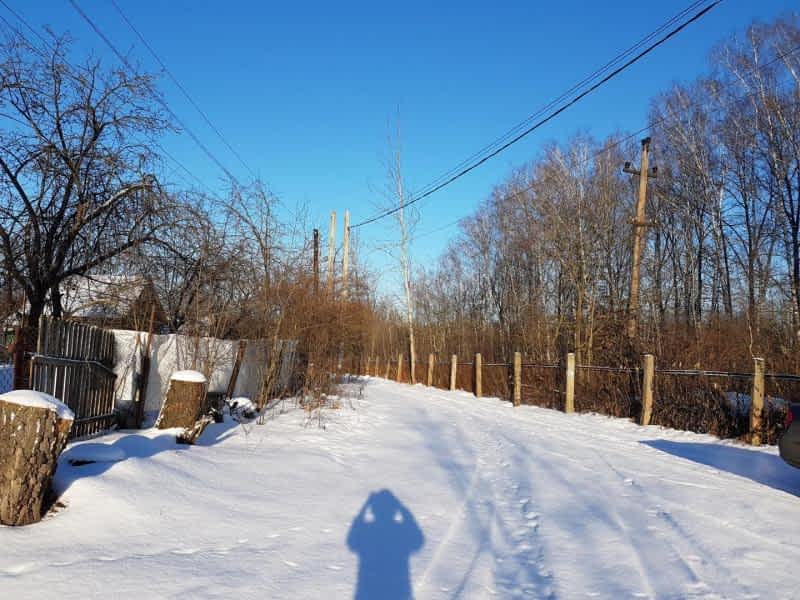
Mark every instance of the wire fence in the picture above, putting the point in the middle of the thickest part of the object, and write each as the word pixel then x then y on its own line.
pixel 703 401
pixel 6 377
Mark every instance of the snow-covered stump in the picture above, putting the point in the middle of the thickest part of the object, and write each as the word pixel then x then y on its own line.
pixel 33 432
pixel 183 403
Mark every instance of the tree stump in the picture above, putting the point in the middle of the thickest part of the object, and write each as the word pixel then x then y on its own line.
pixel 33 431
pixel 183 404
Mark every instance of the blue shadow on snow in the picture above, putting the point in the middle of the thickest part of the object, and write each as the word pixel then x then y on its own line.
pixel 384 535
pixel 761 467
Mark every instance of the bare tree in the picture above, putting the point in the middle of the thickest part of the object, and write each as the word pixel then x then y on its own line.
pixel 74 167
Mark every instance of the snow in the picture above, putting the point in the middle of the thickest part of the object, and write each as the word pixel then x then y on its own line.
pixel 94 452
pixel 410 488
pixel 188 375
pixel 243 403
pixel 39 400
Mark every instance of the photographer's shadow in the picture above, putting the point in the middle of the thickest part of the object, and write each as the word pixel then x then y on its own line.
pixel 384 535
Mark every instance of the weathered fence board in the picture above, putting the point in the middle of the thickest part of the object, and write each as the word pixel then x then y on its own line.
pixel 74 363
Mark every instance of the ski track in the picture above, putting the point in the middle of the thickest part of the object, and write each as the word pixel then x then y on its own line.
pixel 512 503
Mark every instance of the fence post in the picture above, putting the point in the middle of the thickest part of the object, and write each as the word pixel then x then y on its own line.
pixel 431 362
pixel 757 402
pixel 388 367
pixel 517 378
pixel 453 371
pixel 649 366
pixel 399 367
pixel 478 375
pixel 569 403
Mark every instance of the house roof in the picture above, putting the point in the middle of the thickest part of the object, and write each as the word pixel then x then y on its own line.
pixel 101 296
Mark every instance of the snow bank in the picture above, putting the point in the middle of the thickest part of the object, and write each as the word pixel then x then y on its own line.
pixel 512 503
pixel 190 376
pixel 39 400
pixel 94 452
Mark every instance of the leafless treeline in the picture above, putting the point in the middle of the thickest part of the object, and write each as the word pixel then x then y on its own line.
pixel 83 193
pixel 543 266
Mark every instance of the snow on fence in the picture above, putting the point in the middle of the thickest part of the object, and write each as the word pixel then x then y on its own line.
pixel 742 405
pixel 214 357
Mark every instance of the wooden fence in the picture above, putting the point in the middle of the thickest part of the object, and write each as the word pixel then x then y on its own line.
pixel 726 404
pixel 75 364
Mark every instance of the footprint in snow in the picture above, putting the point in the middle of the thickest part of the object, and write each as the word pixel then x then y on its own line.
pixel 289 563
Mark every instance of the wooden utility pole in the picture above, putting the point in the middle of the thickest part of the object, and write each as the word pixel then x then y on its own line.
pixel 331 251
pixel 639 224
pixel 316 260
pixel 346 251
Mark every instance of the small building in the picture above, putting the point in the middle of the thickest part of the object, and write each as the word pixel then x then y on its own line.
pixel 113 302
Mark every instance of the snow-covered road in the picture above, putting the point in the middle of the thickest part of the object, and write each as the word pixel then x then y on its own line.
pixel 480 500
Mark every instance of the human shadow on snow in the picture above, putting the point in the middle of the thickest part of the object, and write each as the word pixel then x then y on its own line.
pixel 761 467
pixel 384 535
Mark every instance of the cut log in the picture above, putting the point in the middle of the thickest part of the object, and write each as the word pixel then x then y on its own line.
pixel 33 431
pixel 189 436
pixel 183 404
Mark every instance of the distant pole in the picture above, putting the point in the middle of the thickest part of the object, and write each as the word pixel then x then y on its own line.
pixel 316 260
pixel 346 250
pixel 639 225
pixel 331 251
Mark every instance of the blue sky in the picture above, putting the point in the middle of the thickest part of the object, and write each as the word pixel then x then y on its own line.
pixel 305 91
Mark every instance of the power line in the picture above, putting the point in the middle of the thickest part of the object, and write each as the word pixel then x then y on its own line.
pixel 49 45
pixel 544 120
pixel 586 80
pixel 155 95
pixel 183 89
pixel 619 142
pixel 22 20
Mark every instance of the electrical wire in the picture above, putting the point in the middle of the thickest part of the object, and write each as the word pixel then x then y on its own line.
pixel 618 143
pixel 155 95
pixel 183 89
pixel 542 121
pixel 586 80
